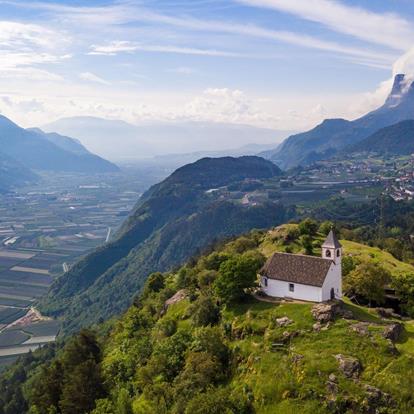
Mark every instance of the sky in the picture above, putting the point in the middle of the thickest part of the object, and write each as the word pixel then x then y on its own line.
pixel 283 64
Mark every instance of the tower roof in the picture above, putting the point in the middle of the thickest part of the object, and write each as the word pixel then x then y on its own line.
pixel 332 241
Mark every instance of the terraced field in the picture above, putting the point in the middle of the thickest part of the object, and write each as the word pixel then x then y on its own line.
pixel 24 276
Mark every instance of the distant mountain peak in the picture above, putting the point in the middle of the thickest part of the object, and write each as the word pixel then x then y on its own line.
pixel 402 88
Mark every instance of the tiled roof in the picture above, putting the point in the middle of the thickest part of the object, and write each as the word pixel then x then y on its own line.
pixel 332 241
pixel 296 268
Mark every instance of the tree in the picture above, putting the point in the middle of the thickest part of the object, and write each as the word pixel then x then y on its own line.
pixel 326 227
pixel 237 274
pixel 307 243
pixel 368 280
pixel 204 311
pixel 308 227
pixel 404 286
pixel 154 283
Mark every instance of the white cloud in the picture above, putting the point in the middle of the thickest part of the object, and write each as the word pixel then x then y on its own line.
pixel 91 77
pixel 116 47
pixel 384 26
pixel 387 29
pixel 25 47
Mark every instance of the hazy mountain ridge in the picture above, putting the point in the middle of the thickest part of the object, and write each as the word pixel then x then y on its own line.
pixel 121 141
pixel 171 222
pixel 332 135
pixel 49 152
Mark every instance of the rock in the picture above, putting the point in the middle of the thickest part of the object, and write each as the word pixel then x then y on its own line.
pixel 375 397
pixel 346 314
pixel 393 331
pixel 317 327
pixel 391 348
pixel 349 366
pixel 324 312
pixel 297 358
pixel 332 377
pixel 326 327
pixel 283 321
pixel 361 328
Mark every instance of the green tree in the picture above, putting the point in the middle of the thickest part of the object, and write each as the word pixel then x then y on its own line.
pixel 204 311
pixel 237 274
pixel 308 227
pixel 326 227
pixel 307 244
pixel 367 280
pixel 154 283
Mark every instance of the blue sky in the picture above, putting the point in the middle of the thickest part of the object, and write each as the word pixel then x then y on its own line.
pixel 285 64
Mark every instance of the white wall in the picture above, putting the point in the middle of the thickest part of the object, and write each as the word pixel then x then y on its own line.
pixel 333 280
pixel 279 289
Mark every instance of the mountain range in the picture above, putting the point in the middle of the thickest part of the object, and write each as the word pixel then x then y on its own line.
pixel 24 150
pixel 120 141
pixel 333 135
pixel 173 221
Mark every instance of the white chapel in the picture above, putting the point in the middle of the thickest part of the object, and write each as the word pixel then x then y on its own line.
pixel 302 277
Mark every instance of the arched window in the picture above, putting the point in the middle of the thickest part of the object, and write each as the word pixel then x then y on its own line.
pixel 328 253
pixel 338 253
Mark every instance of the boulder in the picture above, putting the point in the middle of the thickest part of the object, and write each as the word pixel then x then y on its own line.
pixel 361 328
pixel 332 384
pixel 317 327
pixel 387 313
pixel 375 397
pixel 284 321
pixel 393 331
pixel 350 366
pixel 325 312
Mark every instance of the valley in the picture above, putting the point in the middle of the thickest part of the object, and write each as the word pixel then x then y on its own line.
pixel 44 229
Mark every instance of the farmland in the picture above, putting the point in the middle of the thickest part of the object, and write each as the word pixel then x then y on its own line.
pixel 44 229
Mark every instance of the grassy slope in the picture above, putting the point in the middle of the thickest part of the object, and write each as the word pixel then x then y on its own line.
pixel 279 384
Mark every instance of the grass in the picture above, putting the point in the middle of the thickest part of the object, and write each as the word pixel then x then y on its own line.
pixel 376 255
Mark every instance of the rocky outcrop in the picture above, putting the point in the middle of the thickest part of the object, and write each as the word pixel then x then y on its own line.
pixel 325 312
pixel 284 321
pixel 349 366
pixel 361 328
pixel 387 313
pixel 393 331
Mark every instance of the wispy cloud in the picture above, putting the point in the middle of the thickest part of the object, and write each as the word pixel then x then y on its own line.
pixel 116 47
pixel 91 77
pixel 124 13
pixel 387 29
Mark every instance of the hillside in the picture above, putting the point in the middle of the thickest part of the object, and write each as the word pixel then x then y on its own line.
pixel 184 347
pixel 396 139
pixel 13 173
pixel 173 221
pixel 332 135
pixel 48 152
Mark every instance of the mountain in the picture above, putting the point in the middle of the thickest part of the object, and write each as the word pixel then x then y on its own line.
pixel 334 134
pixel 120 141
pixel 49 152
pixel 397 139
pixel 173 221
pixel 13 173
pixel 183 347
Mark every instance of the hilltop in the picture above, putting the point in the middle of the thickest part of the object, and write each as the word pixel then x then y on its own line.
pixel 183 347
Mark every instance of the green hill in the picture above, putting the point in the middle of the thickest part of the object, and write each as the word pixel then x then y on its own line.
pixel 397 139
pixel 184 348
pixel 172 222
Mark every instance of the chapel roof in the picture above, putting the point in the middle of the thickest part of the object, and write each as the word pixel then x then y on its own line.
pixel 297 268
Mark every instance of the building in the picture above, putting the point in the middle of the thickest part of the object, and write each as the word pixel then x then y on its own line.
pixel 297 276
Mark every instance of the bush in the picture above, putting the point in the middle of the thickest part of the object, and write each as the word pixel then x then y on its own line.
pixel 205 312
